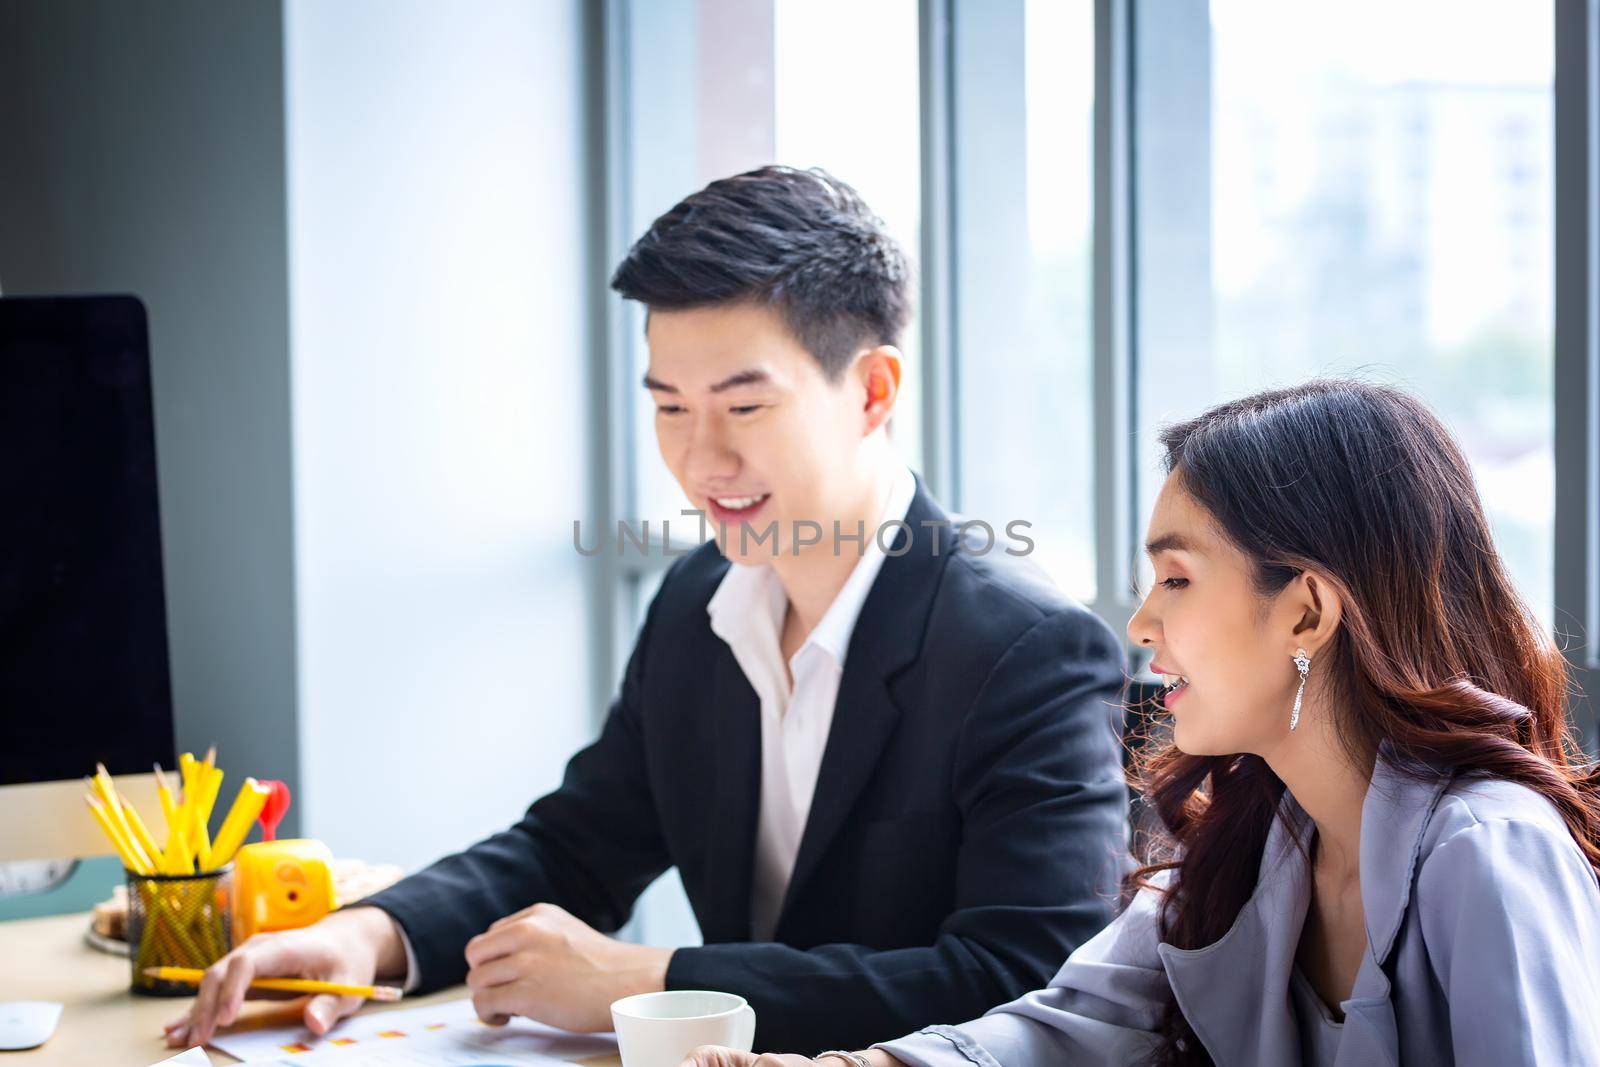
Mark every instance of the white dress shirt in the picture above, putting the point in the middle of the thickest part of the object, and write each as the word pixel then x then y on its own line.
pixel 747 611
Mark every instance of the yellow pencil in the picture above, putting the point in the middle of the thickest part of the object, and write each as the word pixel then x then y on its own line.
pixel 205 793
pixel 186 766
pixel 169 807
pixel 142 832
pixel 200 835
pixel 108 794
pixel 193 975
pixel 179 859
pixel 246 808
pixel 102 817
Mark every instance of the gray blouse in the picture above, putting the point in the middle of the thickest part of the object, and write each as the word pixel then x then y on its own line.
pixel 1483 937
pixel 1320 1033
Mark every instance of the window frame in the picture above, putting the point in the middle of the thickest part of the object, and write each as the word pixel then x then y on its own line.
pixel 950 75
pixel 1577 347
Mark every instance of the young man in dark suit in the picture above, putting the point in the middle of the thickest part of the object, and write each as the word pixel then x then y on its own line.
pixel 882 755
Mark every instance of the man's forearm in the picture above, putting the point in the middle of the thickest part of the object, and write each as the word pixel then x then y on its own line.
pixel 843 996
pixel 645 970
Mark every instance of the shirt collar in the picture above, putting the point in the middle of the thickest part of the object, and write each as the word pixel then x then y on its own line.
pixel 1395 813
pixel 833 632
pixel 1398 807
pixel 751 595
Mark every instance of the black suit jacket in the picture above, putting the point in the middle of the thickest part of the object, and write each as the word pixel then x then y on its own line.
pixel 966 834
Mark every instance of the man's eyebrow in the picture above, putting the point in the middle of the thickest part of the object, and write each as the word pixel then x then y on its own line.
pixel 1171 542
pixel 754 376
pixel 745 377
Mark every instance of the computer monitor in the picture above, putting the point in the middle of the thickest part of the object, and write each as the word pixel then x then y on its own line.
pixel 83 633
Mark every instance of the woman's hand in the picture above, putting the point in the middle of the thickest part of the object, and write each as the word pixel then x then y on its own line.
pixel 717 1056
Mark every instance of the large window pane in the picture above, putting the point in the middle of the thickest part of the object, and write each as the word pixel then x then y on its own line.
pixel 1365 188
pixel 722 86
pixel 716 87
pixel 1024 130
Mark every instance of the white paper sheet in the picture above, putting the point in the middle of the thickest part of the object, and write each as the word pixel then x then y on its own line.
pixel 445 1035
pixel 195 1057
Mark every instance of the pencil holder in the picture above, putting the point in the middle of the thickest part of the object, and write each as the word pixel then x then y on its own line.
pixel 177 920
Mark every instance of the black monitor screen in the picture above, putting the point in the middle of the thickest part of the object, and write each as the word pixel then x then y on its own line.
pixel 83 639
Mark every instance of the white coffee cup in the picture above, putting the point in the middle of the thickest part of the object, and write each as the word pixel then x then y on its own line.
pixel 660 1029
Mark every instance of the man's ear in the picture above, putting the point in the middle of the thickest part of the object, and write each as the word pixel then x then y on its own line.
pixel 878 370
pixel 1318 610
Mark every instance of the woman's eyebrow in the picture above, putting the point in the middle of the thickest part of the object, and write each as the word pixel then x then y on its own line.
pixel 1172 542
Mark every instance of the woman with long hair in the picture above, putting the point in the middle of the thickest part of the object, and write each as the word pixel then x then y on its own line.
pixel 1381 845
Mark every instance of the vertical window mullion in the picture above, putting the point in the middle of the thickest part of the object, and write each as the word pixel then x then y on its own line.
pixel 1577 343
pixel 1113 348
pixel 610 455
pixel 940 425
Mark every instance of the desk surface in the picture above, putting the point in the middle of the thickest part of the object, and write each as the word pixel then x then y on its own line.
pixel 103 1023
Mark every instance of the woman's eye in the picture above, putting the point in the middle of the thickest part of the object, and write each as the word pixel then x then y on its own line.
pixel 668 409
pixel 745 409
pixel 1174 583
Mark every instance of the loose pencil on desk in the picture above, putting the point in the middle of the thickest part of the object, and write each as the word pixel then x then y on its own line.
pixel 192 975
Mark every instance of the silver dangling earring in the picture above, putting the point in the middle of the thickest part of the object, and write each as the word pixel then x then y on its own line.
pixel 1302 663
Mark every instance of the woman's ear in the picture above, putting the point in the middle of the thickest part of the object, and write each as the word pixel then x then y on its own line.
pixel 1320 611
pixel 879 370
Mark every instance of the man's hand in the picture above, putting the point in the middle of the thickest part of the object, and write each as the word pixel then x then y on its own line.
pixel 353 945
pixel 547 965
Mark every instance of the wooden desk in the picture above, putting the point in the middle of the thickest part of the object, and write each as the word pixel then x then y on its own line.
pixel 103 1023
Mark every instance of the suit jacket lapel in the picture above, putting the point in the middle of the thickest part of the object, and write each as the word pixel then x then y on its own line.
pixel 887 637
pixel 731 844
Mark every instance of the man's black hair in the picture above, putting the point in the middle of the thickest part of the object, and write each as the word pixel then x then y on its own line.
pixel 799 241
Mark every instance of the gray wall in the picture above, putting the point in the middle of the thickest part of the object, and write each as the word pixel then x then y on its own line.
pixel 360 231
pixel 142 151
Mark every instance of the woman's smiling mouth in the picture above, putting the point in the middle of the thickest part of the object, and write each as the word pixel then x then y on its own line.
pixel 1173 685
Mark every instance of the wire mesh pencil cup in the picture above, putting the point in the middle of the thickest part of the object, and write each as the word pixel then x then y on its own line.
pixel 177 920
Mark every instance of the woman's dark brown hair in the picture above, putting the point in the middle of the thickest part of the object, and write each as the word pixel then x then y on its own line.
pixel 1437 657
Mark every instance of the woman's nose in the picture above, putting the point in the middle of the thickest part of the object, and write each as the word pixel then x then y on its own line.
pixel 1142 627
